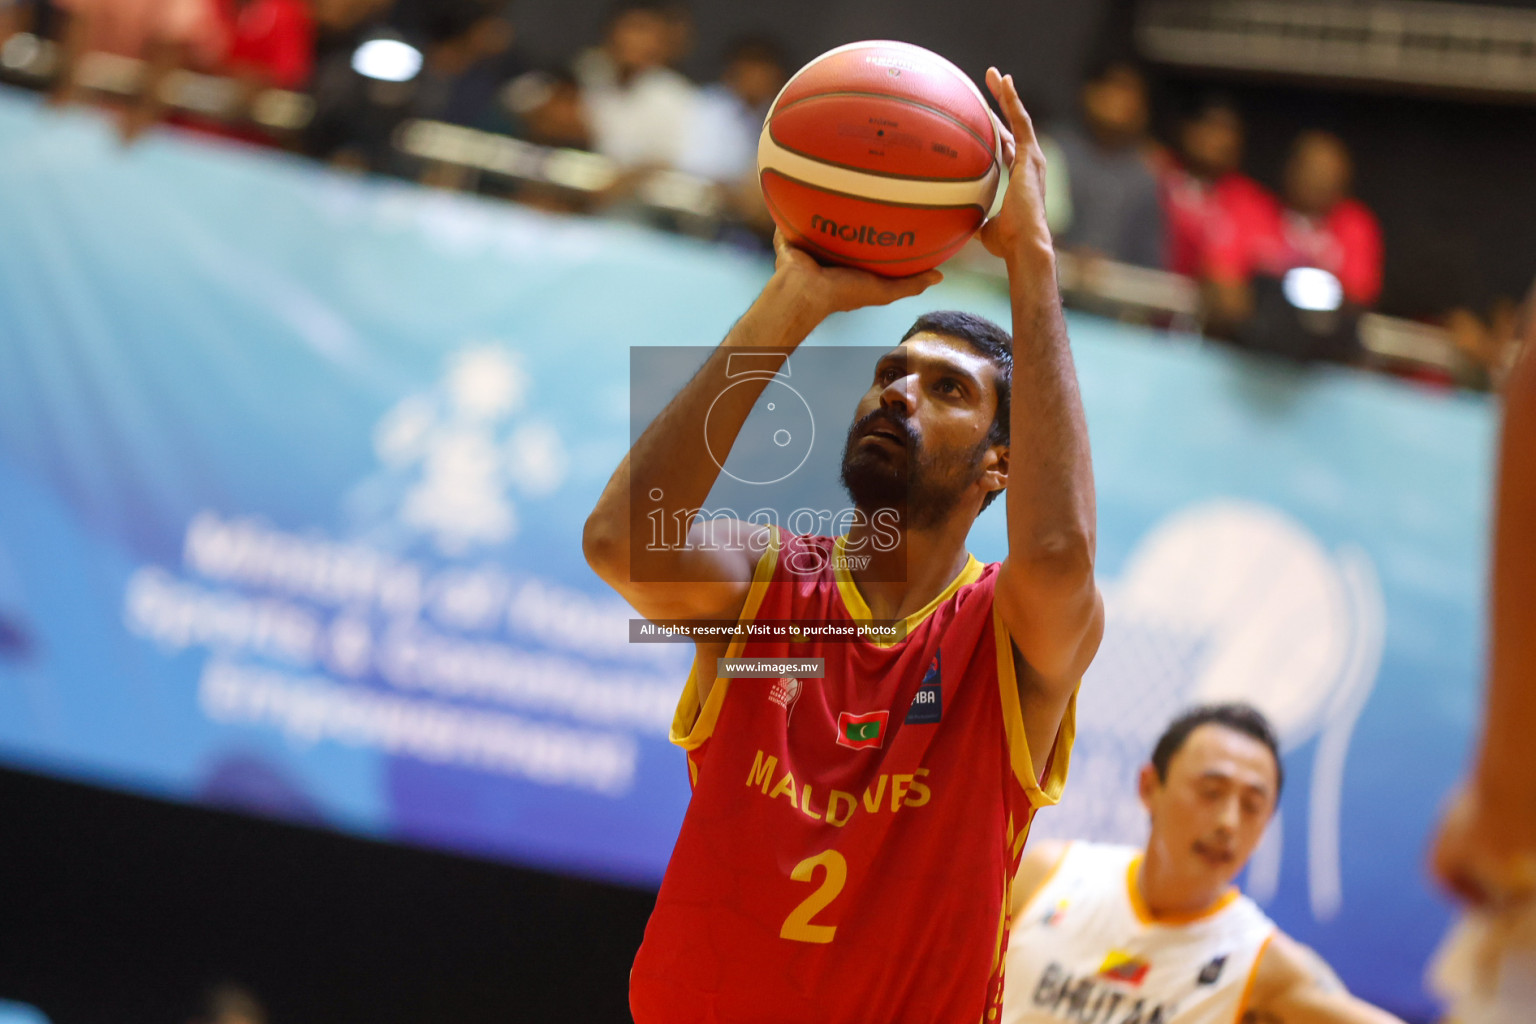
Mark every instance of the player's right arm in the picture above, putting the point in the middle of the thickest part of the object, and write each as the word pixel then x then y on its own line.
pixel 1293 985
pixel 707 576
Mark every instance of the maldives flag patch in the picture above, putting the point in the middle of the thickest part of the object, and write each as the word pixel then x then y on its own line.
pixel 861 731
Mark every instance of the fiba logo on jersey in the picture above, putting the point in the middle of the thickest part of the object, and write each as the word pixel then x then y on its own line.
pixel 1229 600
pixel 928 702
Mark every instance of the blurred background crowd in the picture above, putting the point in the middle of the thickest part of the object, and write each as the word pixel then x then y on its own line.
pixel 649 118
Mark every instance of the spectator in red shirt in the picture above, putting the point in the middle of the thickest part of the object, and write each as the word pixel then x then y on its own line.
pixel 269 44
pixel 1319 225
pixel 165 34
pixel 1214 212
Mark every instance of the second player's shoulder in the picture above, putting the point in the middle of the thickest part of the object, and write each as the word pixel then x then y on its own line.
pixel 1286 963
pixel 1293 983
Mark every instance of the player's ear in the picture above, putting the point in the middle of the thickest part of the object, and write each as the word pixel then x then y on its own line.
pixel 1146 785
pixel 994 468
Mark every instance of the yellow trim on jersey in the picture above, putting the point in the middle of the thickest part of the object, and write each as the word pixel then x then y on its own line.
pixel 853 601
pixel 1144 913
pixel 691 724
pixel 1253 974
pixel 1041 794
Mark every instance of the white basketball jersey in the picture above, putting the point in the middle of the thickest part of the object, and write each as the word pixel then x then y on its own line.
pixel 1085 950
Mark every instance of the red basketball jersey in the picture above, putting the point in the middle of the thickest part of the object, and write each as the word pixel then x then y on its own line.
pixel 848 849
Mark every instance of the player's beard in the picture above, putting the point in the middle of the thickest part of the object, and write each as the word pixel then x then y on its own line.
pixel 919 485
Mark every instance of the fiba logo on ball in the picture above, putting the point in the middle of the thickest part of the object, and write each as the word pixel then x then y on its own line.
pixel 880 155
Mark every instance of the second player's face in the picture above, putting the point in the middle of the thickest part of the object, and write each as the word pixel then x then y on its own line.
pixel 1210 814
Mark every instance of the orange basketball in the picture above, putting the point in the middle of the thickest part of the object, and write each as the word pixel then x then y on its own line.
pixel 880 155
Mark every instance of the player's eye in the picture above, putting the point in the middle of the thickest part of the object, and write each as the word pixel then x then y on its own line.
pixel 949 386
pixel 886 374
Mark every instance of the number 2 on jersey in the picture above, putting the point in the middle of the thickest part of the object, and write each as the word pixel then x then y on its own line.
pixel 797 925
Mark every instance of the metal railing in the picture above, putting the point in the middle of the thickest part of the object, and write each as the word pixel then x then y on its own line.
pixel 1119 290
pixel 1419 43
pixel 35 61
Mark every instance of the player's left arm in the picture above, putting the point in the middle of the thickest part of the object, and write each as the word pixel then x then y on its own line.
pixel 1046 593
pixel 1485 848
pixel 1293 985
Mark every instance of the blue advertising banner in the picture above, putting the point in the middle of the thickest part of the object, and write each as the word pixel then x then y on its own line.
pixel 293 470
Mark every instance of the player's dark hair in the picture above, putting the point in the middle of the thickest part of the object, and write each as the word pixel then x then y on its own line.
pixel 1237 716
pixel 991 341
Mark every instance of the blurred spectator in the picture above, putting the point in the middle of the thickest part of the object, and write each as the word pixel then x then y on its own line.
pixel 260 43
pixel 1319 225
pixel 469 60
pixel 354 114
pixel 268 44
pixel 1116 211
pixel 680 31
pixel 466 58
pixel 16 16
pixel 341 24
pixel 548 111
pixel 721 143
pixel 1316 226
pixel 548 107
pixel 133 28
pixel 166 34
pixel 639 107
pixel 1214 211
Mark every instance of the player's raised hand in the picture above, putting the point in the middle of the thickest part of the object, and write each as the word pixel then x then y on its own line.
pixel 828 290
pixel 1019 227
pixel 1480 856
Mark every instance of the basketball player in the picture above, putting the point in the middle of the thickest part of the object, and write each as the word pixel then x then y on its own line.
pixel 852 833
pixel 1486 848
pixel 1116 935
